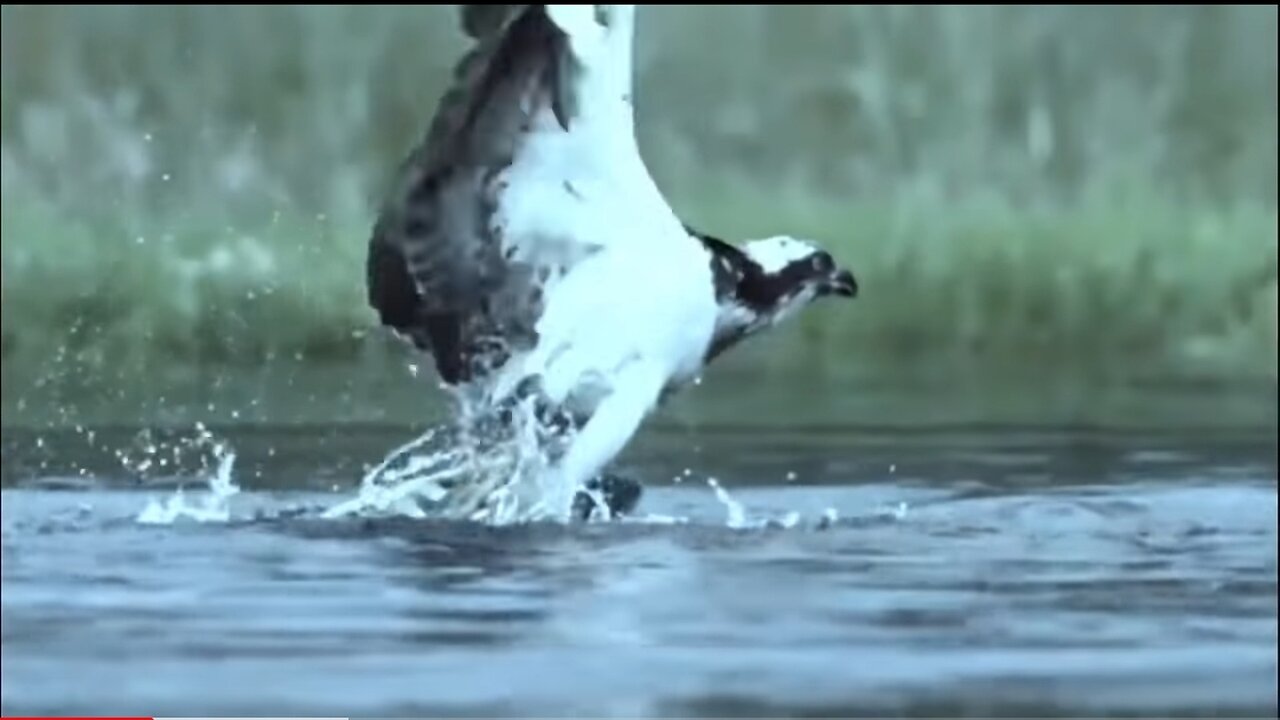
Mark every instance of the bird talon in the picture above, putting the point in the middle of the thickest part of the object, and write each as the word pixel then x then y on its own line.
pixel 621 495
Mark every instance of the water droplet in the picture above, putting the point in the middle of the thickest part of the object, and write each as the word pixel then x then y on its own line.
pixel 165 177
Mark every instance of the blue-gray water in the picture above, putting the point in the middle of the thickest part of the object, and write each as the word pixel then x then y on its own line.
pixel 979 572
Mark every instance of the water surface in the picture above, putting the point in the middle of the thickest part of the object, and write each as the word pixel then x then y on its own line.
pixel 848 571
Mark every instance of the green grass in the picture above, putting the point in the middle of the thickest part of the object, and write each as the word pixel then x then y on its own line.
pixel 1139 289
pixel 1146 288
pixel 1147 293
pixel 1030 197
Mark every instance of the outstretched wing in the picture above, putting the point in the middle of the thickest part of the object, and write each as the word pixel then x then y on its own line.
pixel 530 149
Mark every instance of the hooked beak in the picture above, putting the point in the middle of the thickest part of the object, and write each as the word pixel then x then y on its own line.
pixel 843 284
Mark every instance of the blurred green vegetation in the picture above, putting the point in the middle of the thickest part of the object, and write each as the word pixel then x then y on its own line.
pixel 1074 194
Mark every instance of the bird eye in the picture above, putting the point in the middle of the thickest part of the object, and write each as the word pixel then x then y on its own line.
pixel 822 262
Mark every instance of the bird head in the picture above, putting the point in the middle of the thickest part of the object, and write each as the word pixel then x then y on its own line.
pixel 789 266
pixel 764 282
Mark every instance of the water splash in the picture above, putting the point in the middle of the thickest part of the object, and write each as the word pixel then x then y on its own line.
pixel 738 519
pixel 213 507
pixel 477 470
pixel 396 485
pixel 737 514
pixel 480 469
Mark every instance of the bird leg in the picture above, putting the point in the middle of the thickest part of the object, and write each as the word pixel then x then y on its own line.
pixel 580 446
pixel 606 432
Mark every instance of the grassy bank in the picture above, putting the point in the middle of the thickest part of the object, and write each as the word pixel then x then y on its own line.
pixel 187 193
pixel 1102 301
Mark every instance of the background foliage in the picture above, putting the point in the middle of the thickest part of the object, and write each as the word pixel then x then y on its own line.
pixel 1082 197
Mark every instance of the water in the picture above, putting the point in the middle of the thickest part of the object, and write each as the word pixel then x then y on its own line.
pixel 824 572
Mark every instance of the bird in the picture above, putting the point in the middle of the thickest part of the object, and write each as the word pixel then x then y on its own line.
pixel 525 248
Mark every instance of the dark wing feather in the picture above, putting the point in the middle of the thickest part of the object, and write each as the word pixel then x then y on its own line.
pixel 435 266
pixel 482 21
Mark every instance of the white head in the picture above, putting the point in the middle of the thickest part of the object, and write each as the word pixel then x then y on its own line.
pixel 775 253
pixel 791 264
pixel 767 281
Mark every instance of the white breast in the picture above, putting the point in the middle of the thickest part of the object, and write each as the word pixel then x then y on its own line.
pixel 618 308
pixel 635 286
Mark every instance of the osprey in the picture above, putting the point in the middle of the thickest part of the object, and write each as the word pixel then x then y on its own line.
pixel 526 248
